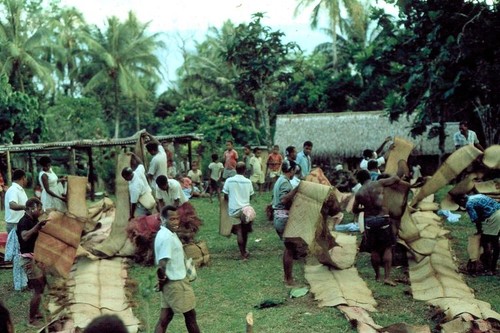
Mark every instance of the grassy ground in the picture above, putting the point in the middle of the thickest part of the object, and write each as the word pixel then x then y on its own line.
pixel 229 288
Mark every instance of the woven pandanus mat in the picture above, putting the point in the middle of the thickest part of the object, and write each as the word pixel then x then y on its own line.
pixel 117 240
pixel 491 157
pixel 57 242
pixel 449 170
pixel 400 150
pixel 225 222
pixel 77 194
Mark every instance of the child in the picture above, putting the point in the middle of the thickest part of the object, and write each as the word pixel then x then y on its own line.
pixel 196 175
pixel 257 176
pixel 274 166
pixel 230 158
pixel 215 169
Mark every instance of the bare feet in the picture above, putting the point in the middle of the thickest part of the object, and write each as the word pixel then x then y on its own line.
pixel 245 256
pixel 389 282
pixel 290 283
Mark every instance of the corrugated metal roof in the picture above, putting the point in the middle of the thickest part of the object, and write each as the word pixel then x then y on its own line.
pixel 79 144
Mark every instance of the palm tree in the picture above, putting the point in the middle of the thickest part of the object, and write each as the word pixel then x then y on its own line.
pixel 121 56
pixel 355 10
pixel 22 50
pixel 205 72
pixel 68 25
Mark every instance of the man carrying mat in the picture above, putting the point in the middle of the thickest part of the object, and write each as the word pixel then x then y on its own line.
pixel 378 232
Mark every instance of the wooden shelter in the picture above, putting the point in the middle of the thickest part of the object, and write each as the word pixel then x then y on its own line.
pixel 347 134
pixel 87 146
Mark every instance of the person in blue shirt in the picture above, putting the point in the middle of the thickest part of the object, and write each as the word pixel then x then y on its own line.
pixel 304 159
pixel 485 213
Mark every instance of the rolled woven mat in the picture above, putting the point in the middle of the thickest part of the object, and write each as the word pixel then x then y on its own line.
pixel 57 242
pixel 489 187
pixel 77 194
pixel 491 157
pixel 474 247
pixel 400 150
pixel 118 236
pixel 307 219
pixel 318 176
pixel 225 223
pixel 449 170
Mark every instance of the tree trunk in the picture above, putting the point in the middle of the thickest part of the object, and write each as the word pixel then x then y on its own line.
pixel 137 116
pixel 489 123
pixel 334 43
pixel 117 113
pixel 264 118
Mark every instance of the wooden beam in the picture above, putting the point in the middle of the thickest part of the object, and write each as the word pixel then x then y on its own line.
pixel 91 174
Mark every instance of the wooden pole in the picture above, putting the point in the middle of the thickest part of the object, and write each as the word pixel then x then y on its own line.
pixel 72 161
pixel 9 169
pixel 190 157
pixel 31 168
pixel 91 174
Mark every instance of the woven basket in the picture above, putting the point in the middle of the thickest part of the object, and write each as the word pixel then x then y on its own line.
pixel 199 252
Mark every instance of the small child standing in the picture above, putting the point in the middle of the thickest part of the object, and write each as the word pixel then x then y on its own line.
pixel 257 177
pixel 215 169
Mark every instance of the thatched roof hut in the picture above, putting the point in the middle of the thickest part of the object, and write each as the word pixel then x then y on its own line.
pixel 347 134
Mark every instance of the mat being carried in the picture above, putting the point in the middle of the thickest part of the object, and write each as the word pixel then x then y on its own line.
pixel 308 219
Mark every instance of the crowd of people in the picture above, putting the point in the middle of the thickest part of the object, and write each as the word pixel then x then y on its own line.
pixel 157 189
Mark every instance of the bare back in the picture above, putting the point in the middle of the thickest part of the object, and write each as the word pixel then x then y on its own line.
pixel 371 197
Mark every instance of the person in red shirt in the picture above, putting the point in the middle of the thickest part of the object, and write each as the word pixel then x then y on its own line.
pixel 274 162
pixel 230 159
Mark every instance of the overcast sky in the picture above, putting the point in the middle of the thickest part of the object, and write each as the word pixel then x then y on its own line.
pixel 191 19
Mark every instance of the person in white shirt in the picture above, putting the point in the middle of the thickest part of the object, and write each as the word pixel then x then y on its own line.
pixel 237 191
pixel 177 295
pixel 137 187
pixel 15 199
pixel 215 169
pixel 465 137
pixel 369 154
pixel 158 165
pixel 168 192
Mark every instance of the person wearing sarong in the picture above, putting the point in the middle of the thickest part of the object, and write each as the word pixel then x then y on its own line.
pixel 484 212
pixel 52 190
pixel 177 295
pixel 237 191
pixel 283 194
pixel 380 238
pixel 27 233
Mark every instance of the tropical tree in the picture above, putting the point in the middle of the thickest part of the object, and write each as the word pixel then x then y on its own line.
pixel 20 118
pixel 264 65
pixel 455 74
pixel 67 25
pixel 121 56
pixel 355 10
pixel 205 71
pixel 23 44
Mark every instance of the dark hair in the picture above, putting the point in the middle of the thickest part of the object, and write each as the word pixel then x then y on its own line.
pixel 307 144
pixel 289 150
pixel 464 122
pixel 240 168
pixel 276 146
pixel 165 210
pixel 152 146
pixel 247 146
pixel 367 153
pixel 161 180
pixel 106 324
pixel 18 174
pixel 288 166
pixel 44 161
pixel 230 141
pixel 362 176
pixel 256 149
pixel 372 164
pixel 215 157
pixel 127 172
pixel 5 320
pixel 32 203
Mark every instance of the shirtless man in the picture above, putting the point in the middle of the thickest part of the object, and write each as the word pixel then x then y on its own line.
pixel 378 232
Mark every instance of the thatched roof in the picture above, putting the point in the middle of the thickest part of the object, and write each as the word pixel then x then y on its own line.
pixel 347 134
pixel 81 144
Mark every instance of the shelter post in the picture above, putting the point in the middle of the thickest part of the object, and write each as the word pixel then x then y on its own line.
pixel 190 152
pixel 72 161
pixel 9 168
pixel 91 177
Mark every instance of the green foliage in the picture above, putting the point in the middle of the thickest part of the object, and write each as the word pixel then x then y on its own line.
pixel 453 75
pixel 20 118
pixel 74 119
pixel 217 119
